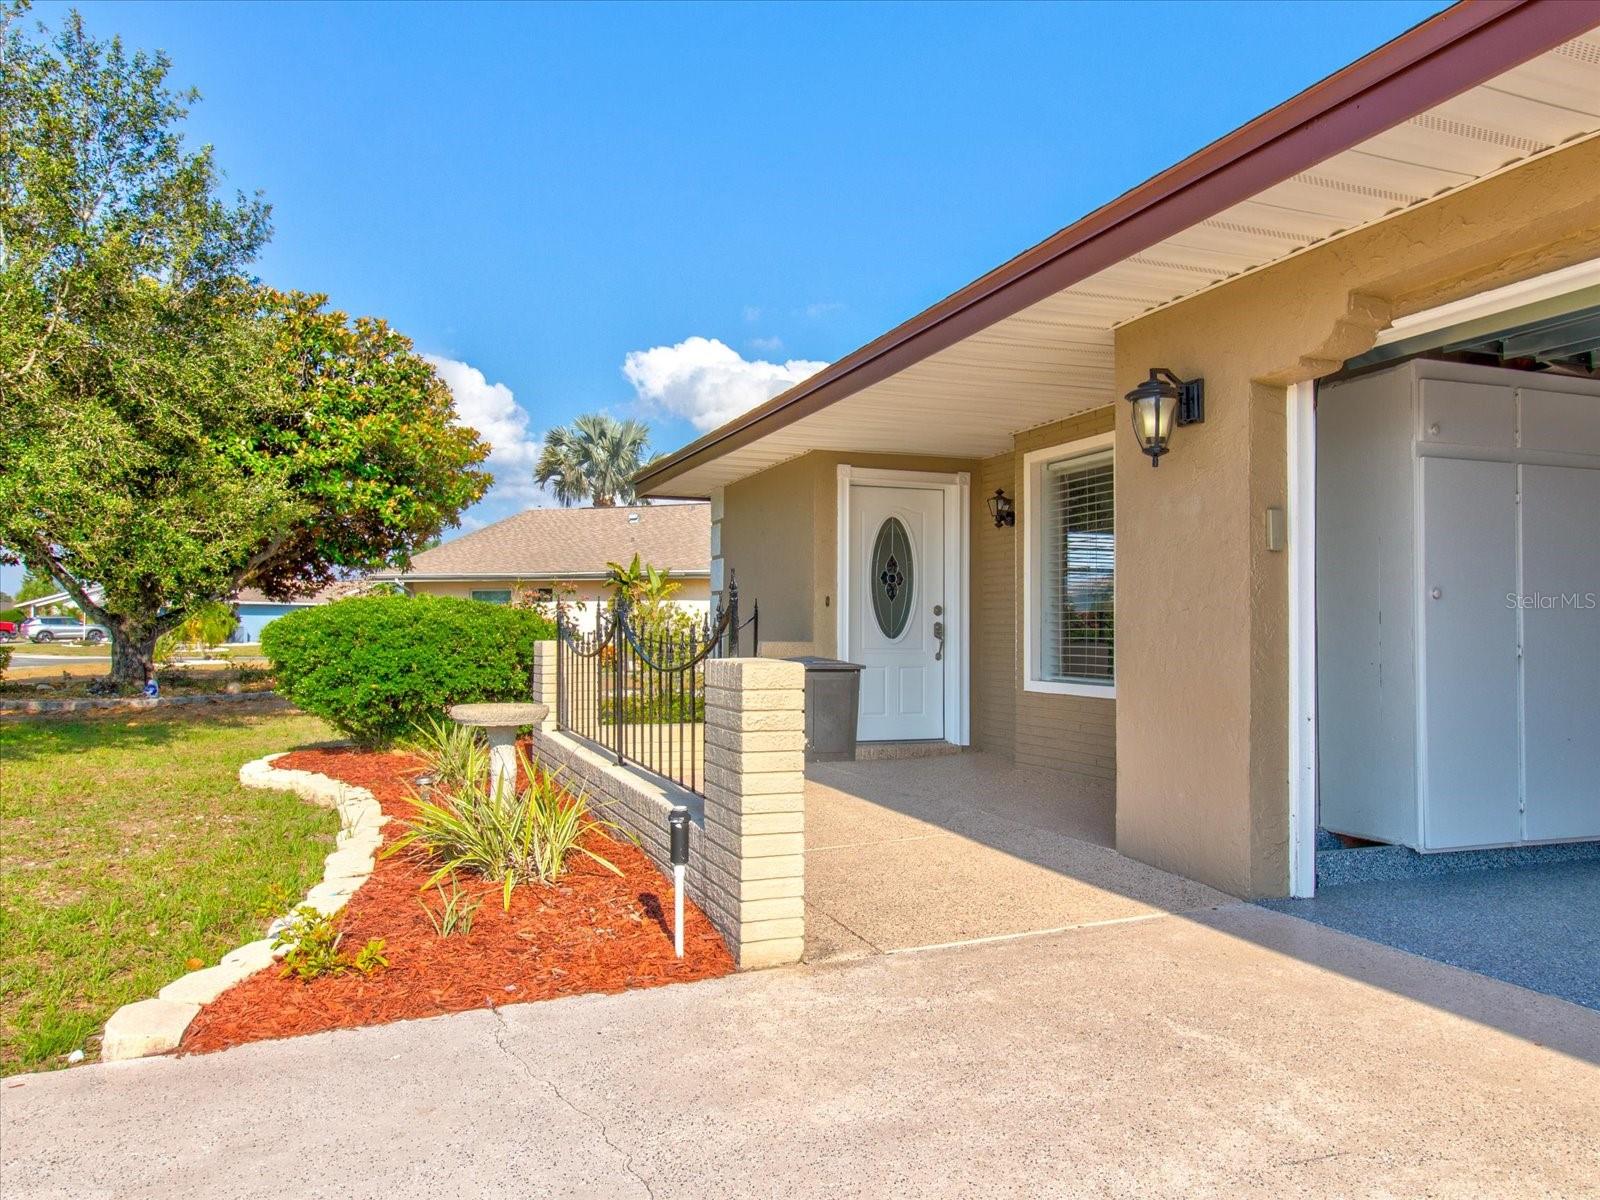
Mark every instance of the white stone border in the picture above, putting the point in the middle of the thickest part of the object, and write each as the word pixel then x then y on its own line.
pixel 156 1026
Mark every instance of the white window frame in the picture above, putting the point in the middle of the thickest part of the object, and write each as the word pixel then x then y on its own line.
pixel 1033 464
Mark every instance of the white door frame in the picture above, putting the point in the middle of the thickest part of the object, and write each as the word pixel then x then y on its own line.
pixel 957 489
pixel 1302 502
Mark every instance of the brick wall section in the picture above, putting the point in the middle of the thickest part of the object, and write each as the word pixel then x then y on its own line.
pixel 746 844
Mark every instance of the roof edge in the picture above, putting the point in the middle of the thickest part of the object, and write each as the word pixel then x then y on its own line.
pixel 1455 50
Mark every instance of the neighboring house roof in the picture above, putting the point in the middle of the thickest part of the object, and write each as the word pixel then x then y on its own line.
pixel 1462 95
pixel 336 590
pixel 574 543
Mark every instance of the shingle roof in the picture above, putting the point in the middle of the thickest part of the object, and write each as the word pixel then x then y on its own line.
pixel 575 543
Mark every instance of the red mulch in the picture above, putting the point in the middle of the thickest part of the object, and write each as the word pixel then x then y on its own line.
pixel 589 932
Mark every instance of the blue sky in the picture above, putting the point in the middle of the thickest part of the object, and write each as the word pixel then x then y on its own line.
pixel 535 193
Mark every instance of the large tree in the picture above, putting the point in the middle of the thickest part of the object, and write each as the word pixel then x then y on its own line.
pixel 594 459
pixel 174 431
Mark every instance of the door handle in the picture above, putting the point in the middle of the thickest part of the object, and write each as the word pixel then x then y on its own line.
pixel 938 632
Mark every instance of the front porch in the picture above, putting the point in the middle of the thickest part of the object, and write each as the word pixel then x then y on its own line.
pixel 915 852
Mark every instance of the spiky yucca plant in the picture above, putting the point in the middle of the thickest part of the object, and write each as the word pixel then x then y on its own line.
pixel 504 834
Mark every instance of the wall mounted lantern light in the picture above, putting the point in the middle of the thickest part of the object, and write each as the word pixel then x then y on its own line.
pixel 1001 509
pixel 1161 402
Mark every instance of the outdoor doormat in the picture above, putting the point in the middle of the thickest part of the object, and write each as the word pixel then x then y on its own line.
pixel 589 931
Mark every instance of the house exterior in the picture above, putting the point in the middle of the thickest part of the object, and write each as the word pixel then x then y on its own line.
pixel 968 505
pixel 563 553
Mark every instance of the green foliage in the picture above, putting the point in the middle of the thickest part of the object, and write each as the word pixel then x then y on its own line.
pixel 174 430
pixel 379 666
pixel 313 948
pixel 503 834
pixel 655 710
pixel 640 584
pixel 371 957
pixel 456 755
pixel 593 459
pixel 35 585
pixel 456 910
pixel 312 943
pixel 209 624
pixel 5 656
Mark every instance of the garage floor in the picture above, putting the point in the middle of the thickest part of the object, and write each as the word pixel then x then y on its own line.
pixel 915 852
pixel 1535 926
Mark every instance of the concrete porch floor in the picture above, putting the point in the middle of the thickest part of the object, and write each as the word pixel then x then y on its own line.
pixel 916 852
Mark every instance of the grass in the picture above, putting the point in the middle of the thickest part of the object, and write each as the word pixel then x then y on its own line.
pixel 128 847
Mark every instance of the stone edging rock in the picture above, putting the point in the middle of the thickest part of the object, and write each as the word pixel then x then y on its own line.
pixel 11 706
pixel 156 1026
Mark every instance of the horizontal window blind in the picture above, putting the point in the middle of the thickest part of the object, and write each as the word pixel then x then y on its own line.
pixel 1077 571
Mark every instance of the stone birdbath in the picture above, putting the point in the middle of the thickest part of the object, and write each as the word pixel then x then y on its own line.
pixel 500 723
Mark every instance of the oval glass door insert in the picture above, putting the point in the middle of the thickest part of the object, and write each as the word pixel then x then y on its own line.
pixel 891 577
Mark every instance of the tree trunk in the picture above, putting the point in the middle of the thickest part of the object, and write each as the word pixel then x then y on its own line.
pixel 133 656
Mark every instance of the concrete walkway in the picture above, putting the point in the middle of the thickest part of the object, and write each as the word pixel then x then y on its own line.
pixel 1238 1053
pixel 917 852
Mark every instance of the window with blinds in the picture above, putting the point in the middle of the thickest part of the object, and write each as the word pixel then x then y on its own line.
pixel 1075 574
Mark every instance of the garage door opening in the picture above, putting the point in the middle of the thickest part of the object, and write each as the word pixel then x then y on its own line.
pixel 1457 622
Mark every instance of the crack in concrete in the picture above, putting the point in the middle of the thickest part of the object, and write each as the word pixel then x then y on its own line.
pixel 501 1029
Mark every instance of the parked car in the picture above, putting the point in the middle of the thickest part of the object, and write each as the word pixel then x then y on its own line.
pixel 10 631
pixel 63 629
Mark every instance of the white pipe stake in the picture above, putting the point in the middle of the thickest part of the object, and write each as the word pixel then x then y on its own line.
pixel 677 909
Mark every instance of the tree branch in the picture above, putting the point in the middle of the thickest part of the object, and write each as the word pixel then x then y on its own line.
pixel 65 578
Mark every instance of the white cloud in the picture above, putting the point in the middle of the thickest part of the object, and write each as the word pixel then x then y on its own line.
pixel 492 410
pixel 766 345
pixel 706 382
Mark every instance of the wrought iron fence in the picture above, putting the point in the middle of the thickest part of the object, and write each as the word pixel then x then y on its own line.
pixel 634 682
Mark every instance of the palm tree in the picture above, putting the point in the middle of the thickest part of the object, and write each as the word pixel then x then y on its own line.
pixel 595 459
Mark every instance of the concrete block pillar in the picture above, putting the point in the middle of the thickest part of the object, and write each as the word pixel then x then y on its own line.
pixel 544 676
pixel 752 841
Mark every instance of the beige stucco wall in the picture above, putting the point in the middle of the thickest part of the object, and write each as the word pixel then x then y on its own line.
pixel 778 533
pixel 1076 734
pixel 1202 638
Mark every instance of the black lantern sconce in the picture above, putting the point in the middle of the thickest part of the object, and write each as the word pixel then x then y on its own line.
pixel 1002 510
pixel 1161 402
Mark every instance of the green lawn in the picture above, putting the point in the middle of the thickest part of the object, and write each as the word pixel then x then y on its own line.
pixel 127 847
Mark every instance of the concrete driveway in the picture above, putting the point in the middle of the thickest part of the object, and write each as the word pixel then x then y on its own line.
pixel 1233 1053
pixel 917 852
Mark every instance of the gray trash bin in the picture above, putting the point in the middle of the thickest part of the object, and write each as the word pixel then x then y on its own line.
pixel 833 702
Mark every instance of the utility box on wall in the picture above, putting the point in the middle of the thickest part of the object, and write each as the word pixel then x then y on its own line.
pixel 1458 606
pixel 833 703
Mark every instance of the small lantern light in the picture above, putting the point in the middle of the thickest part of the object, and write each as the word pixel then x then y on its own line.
pixel 1161 402
pixel 1001 509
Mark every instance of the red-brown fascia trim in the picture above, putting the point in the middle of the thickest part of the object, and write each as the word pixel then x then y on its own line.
pixel 1444 56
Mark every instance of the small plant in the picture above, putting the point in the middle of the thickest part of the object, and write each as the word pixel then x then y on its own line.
pixel 313 945
pixel 507 836
pixel 456 910
pixel 370 957
pixel 314 951
pixel 456 755
pixel 273 903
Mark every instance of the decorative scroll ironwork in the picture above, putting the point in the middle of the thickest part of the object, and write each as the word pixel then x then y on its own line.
pixel 636 686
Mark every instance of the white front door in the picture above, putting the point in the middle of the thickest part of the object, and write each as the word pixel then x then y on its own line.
pixel 898 616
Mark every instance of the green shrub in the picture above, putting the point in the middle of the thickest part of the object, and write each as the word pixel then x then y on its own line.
pixel 5 657
pixel 377 666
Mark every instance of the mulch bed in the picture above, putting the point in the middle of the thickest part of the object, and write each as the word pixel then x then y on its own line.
pixel 591 931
